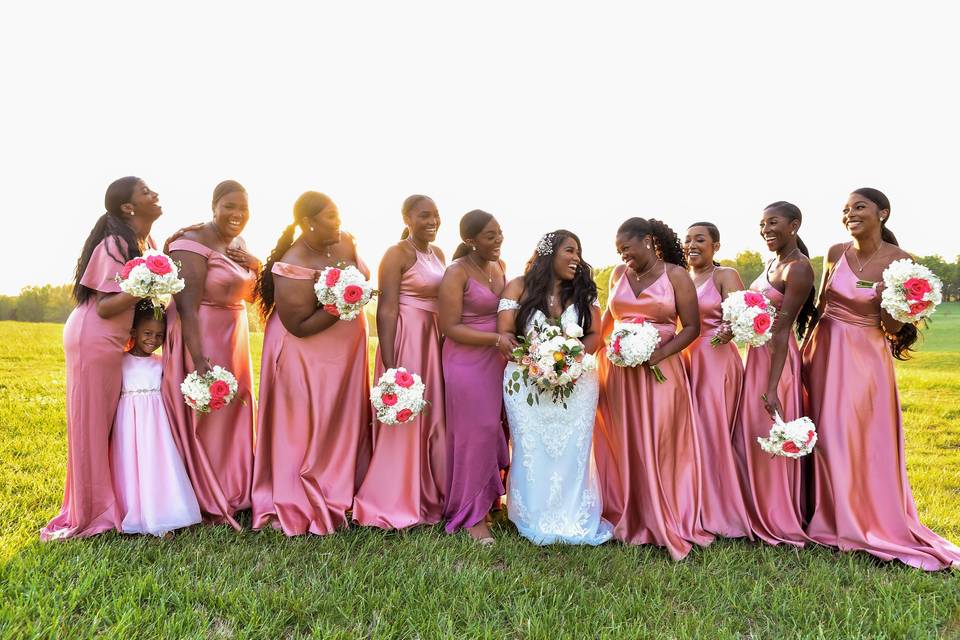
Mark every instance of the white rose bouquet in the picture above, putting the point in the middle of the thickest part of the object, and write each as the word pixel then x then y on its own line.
pixel 209 392
pixel 911 292
pixel 154 275
pixel 398 396
pixel 632 343
pixel 343 291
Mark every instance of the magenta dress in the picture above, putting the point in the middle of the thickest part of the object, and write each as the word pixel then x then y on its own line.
pixel 94 349
pixel 152 487
pixel 313 436
pixel 772 485
pixel 862 498
pixel 407 476
pixel 716 375
pixel 645 443
pixel 217 447
pixel 476 441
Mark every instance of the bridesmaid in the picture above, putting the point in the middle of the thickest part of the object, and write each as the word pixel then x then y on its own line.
pixel 206 326
pixel 474 356
pixel 313 440
pixel 862 498
pixel 646 444
pixel 716 375
pixel 94 338
pixel 772 486
pixel 405 483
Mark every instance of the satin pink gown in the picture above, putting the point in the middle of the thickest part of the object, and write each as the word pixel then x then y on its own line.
pixel 313 437
pixel 217 447
pixel 648 460
pixel 862 498
pixel 405 483
pixel 716 375
pixel 772 485
pixel 476 442
pixel 94 350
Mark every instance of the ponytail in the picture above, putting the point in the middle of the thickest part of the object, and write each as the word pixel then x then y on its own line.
pixel 463 249
pixel 405 234
pixel 887 236
pixel 265 281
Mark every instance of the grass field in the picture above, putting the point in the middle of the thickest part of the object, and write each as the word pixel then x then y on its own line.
pixel 212 582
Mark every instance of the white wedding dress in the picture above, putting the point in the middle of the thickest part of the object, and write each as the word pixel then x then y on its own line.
pixel 552 492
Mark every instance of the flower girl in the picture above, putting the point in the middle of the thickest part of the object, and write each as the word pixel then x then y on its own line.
pixel 150 481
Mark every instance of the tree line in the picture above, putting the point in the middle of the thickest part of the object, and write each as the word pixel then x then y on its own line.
pixel 53 303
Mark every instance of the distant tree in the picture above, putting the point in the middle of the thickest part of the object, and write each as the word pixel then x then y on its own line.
pixel 602 277
pixel 749 264
pixel 8 307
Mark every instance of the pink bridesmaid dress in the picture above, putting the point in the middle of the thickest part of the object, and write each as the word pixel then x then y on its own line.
pixel 405 483
pixel 645 443
pixel 217 447
pixel 94 349
pixel 772 485
pixel 716 375
pixel 313 436
pixel 153 490
pixel 862 498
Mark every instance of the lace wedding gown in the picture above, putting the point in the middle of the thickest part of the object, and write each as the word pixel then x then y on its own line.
pixel 552 493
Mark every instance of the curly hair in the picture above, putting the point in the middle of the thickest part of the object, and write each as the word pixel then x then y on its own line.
pixel 665 240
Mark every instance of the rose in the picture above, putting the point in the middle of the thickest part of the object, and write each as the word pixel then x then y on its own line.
pixel 159 265
pixel 754 299
pixel 389 399
pixel 916 288
pixel 352 293
pixel 810 435
pixel 333 275
pixel 917 307
pixel 332 309
pixel 128 267
pixel 638 320
pixel 762 322
pixel 217 403
pixel 573 330
pixel 616 346
pixel 403 379
pixel 404 414
pixel 790 447
pixel 219 389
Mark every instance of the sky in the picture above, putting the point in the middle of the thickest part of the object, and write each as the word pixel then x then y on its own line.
pixel 546 114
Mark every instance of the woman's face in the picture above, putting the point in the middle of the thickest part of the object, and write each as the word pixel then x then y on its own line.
pixel 862 217
pixel 231 213
pixel 699 248
pixel 776 229
pixel 423 221
pixel 566 259
pixel 325 224
pixel 634 252
pixel 488 241
pixel 144 203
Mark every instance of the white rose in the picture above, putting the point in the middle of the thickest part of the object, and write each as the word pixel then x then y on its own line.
pixel 573 330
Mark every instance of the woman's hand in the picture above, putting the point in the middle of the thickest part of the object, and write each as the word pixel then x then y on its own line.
pixel 656 357
pixel 506 344
pixel 772 404
pixel 723 334
pixel 245 259
pixel 179 233
pixel 203 366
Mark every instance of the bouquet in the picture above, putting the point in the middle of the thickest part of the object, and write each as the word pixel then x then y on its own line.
pixel 750 316
pixel 632 343
pixel 153 275
pixel 209 392
pixel 550 360
pixel 343 291
pixel 911 292
pixel 398 396
pixel 793 439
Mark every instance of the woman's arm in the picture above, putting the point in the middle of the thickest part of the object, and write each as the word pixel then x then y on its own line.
pixel 593 340
pixel 451 315
pixel 296 304
pixel 111 304
pixel 193 270
pixel 388 303
pixel 728 281
pixel 687 310
pixel 799 279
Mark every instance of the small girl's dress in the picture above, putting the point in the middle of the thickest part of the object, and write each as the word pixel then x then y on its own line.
pixel 150 480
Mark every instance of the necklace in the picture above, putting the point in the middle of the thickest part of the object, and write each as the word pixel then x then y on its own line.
pixel 428 252
pixel 314 249
pixel 640 275
pixel 861 267
pixel 489 272
pixel 780 260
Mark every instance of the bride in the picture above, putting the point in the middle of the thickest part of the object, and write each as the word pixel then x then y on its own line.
pixel 552 493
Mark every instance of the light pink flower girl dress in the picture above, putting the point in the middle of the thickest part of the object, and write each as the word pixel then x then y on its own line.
pixel 150 480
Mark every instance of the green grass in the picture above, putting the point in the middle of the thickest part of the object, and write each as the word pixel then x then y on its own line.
pixel 212 582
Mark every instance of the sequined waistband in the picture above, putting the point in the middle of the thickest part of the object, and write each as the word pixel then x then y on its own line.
pixel 139 392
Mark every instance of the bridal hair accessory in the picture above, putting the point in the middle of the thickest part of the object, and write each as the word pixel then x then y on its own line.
pixel 545 245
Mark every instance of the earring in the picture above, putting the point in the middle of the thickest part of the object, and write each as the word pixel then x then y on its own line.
pixel 474 248
pixel 131 213
pixel 648 245
pixel 312 229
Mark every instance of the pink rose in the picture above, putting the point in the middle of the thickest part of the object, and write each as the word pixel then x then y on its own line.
pixel 332 310
pixel 616 346
pixel 637 320
pixel 810 435
pixel 128 267
pixel 762 322
pixel 159 265
pixel 404 414
pixel 219 389
pixel 916 288
pixel 333 276
pixel 790 447
pixel 217 403
pixel 352 293
pixel 754 299
pixel 918 306
pixel 403 379
pixel 389 399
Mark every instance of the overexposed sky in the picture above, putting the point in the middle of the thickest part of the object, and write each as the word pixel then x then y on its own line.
pixel 546 114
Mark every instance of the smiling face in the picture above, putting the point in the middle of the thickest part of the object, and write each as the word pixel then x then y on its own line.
pixel 634 252
pixel 488 241
pixel 566 259
pixel 144 202
pixel 230 214
pixel 862 217
pixel 148 335
pixel 699 247
pixel 776 229
pixel 423 221
pixel 325 223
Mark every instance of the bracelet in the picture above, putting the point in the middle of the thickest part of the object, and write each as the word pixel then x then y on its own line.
pixel 497 343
